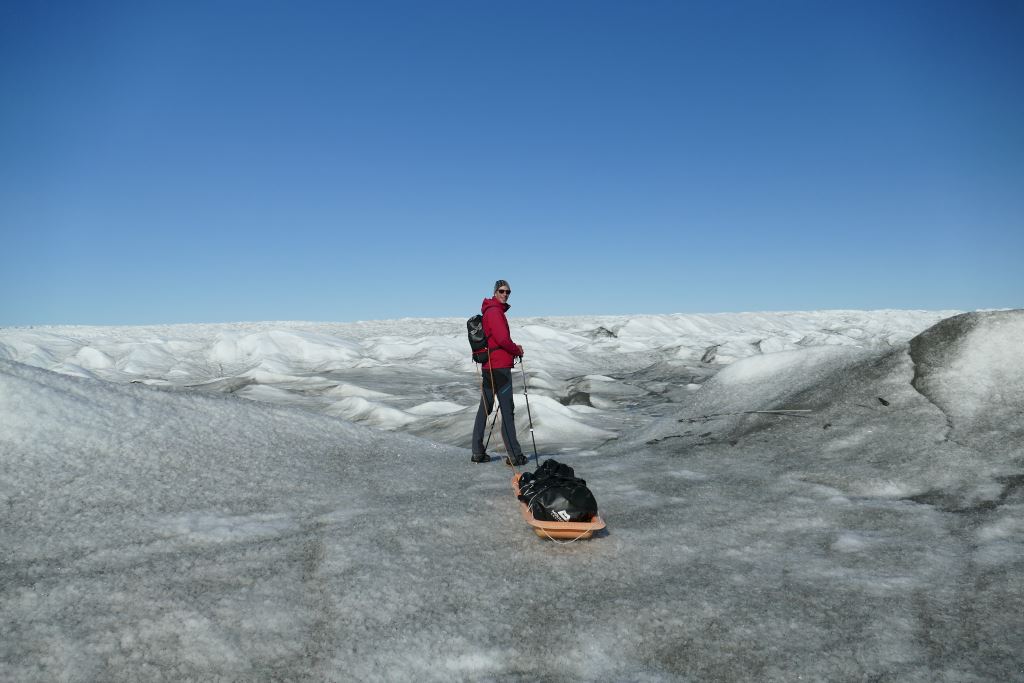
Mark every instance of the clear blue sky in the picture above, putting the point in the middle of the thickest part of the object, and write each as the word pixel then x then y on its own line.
pixel 215 161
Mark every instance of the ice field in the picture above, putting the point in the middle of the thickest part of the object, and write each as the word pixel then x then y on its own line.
pixel 830 495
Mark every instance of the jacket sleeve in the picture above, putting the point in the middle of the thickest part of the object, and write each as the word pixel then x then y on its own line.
pixel 499 334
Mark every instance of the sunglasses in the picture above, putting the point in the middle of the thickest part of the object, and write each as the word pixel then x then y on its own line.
pixel 504 291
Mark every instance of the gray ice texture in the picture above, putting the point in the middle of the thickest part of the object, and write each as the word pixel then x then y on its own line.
pixel 835 499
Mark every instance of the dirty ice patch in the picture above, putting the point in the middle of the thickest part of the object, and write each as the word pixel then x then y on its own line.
pixel 272 394
pixel 766 382
pixel 770 366
pixel 605 386
pixel 971 364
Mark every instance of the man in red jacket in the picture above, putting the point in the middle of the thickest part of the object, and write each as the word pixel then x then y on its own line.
pixel 497 377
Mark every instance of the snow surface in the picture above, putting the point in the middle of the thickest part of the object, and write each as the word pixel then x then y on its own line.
pixel 833 495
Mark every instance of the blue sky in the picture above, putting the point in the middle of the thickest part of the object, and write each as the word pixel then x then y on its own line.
pixel 219 161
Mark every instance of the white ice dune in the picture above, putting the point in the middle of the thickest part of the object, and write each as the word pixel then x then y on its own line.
pixel 833 495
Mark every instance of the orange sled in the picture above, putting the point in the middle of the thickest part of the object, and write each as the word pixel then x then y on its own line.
pixel 556 531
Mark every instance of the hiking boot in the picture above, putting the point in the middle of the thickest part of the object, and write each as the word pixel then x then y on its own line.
pixel 480 457
pixel 516 460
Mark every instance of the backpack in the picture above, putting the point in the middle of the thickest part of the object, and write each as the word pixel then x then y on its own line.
pixel 554 493
pixel 477 339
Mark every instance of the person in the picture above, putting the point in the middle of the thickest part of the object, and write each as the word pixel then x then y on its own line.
pixel 497 377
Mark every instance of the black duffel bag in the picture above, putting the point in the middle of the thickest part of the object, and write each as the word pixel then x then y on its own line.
pixel 555 494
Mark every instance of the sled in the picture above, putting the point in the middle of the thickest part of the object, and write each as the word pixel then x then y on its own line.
pixel 556 531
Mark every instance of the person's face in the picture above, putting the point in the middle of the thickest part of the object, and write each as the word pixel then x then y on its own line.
pixel 502 293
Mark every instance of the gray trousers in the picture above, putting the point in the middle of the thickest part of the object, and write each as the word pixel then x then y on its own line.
pixel 503 388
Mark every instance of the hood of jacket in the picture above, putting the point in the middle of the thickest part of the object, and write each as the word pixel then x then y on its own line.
pixel 492 303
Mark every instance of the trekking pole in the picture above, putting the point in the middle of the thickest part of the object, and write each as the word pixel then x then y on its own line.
pixel 526 393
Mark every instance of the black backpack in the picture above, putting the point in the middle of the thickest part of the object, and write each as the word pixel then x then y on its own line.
pixel 555 494
pixel 477 339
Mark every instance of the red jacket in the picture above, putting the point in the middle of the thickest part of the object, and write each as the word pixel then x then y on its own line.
pixel 499 339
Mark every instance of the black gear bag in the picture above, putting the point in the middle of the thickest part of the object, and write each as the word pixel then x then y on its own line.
pixel 554 493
